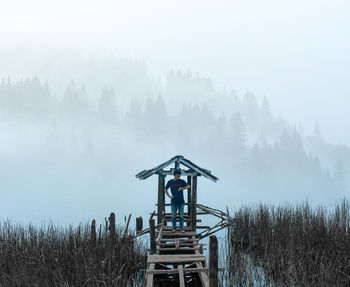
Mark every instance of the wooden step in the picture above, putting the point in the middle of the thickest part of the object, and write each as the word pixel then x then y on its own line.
pixel 180 240
pixel 180 244
pixel 185 219
pixel 178 234
pixel 186 228
pixel 185 270
pixel 178 249
pixel 174 271
pixel 176 258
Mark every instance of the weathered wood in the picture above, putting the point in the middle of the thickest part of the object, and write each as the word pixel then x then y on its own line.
pixel 169 220
pixel 181 276
pixel 160 233
pixel 169 204
pixel 183 172
pixel 187 228
pixel 176 258
pixel 202 275
pixel 194 203
pixel 179 248
pixel 152 236
pixel 206 173
pixel 112 232
pixel 181 240
pixel 178 233
pixel 139 224
pixel 150 276
pixel 161 197
pixel 93 232
pixel 178 243
pixel 189 200
pixel 213 261
pixel 127 225
pixel 174 271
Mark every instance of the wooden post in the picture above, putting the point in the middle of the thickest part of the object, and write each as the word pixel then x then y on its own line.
pixel 112 226
pixel 152 236
pixel 194 203
pixel 189 200
pixel 139 224
pixel 93 232
pixel 161 197
pixel 213 261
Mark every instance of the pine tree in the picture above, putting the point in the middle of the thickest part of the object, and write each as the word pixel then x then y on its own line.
pixel 107 106
pixel 237 133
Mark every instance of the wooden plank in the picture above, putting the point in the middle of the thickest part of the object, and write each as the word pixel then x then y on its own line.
pixel 181 276
pixel 202 171
pixel 202 275
pixel 185 270
pixel 180 239
pixel 178 234
pixel 185 220
pixel 160 233
pixel 174 271
pixel 173 259
pixel 147 173
pixel 180 244
pixel 150 276
pixel 177 249
pixel 185 213
pixel 183 172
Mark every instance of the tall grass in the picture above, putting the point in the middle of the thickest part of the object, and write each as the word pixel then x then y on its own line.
pixel 69 256
pixel 289 245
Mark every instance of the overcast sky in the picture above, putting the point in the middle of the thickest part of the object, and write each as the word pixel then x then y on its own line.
pixel 294 52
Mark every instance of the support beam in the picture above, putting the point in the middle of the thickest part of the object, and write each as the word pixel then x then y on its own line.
pixel 161 198
pixel 213 261
pixel 189 199
pixel 181 276
pixel 177 164
pixel 150 280
pixel 152 232
pixel 194 203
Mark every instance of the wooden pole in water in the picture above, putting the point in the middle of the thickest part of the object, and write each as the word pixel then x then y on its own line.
pixel 152 233
pixel 139 224
pixel 112 226
pixel 213 261
pixel 93 232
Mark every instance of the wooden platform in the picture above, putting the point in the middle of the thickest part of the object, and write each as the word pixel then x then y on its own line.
pixel 178 261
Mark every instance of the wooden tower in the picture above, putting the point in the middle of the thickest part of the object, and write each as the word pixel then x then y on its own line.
pixel 192 171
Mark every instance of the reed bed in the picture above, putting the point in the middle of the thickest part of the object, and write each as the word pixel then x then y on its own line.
pixel 289 245
pixel 70 256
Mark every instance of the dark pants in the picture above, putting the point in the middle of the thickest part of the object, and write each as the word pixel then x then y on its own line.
pixel 174 208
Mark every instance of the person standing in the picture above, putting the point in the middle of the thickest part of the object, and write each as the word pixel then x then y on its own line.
pixel 177 186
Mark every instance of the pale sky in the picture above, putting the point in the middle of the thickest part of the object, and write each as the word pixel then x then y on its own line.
pixel 294 52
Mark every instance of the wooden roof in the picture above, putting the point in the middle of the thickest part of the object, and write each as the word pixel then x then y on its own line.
pixel 179 159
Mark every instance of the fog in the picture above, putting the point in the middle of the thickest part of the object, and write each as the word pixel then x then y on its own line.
pixel 91 94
